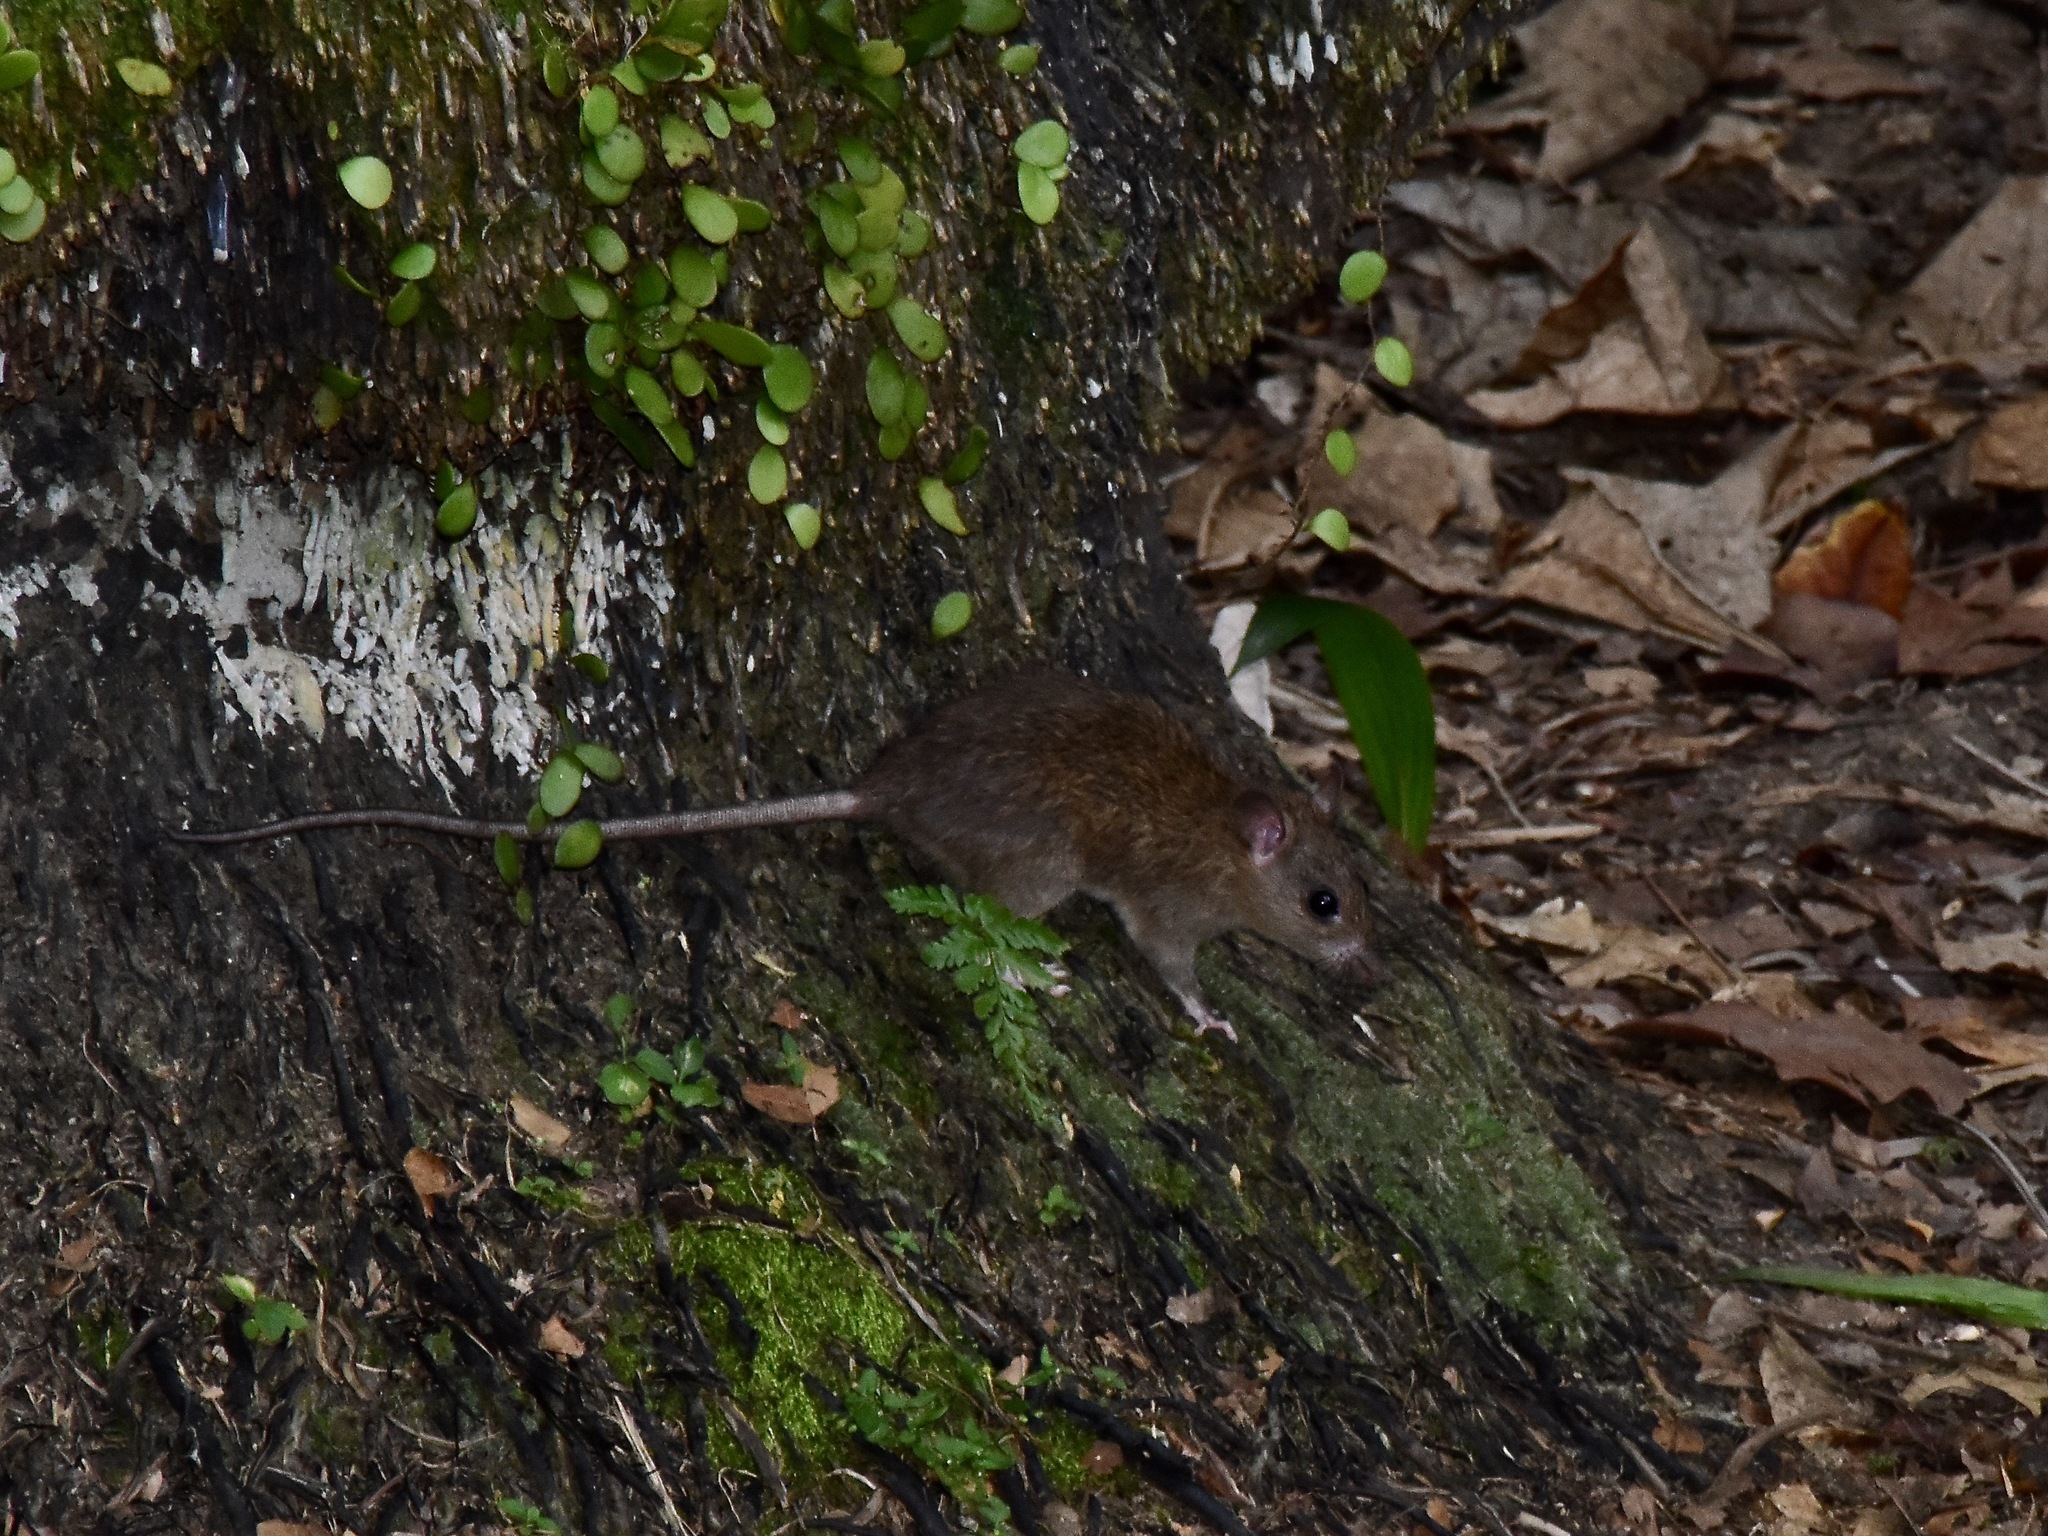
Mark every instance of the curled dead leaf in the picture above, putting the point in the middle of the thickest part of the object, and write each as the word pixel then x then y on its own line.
pixel 1192 1307
pixel 77 1255
pixel 429 1176
pixel 2012 450
pixel 1864 556
pixel 792 1105
pixel 557 1340
pixel 1103 1457
pixel 540 1127
pixel 786 1015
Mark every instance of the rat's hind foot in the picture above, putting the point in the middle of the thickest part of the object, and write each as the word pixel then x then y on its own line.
pixel 1205 1018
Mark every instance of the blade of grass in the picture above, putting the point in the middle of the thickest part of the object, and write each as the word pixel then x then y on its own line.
pixel 1988 1301
pixel 1383 691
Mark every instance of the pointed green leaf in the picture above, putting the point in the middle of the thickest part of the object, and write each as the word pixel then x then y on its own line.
pixel 1396 364
pixel 1341 449
pixel 951 615
pixel 940 504
pixel 1380 684
pixel 788 379
pixel 966 464
pixel 804 523
pixel 143 77
pixel 1332 528
pixel 1036 194
pixel 606 249
pixel 602 762
pixel 457 512
pixel 734 343
pixel 506 855
pixel 886 388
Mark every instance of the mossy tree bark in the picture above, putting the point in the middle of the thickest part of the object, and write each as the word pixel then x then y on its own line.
pixel 1286 1279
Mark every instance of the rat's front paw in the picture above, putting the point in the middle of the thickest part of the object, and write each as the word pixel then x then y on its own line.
pixel 1207 1020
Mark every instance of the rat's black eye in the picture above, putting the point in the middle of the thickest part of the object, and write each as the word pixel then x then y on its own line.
pixel 1323 905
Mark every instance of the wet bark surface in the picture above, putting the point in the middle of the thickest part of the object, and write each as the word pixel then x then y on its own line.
pixel 1323 1276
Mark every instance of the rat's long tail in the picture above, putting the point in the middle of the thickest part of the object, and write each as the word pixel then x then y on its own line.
pixel 838 805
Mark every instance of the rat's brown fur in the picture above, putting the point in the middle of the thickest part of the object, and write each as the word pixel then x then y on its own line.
pixel 1040 787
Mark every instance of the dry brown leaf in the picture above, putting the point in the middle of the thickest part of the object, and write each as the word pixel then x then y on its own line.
pixel 1639 952
pixel 1553 924
pixel 77 1255
pixel 1595 559
pixel 1191 1307
pixel 540 1127
pixel 1841 1049
pixel 1821 68
pixel 1248 525
pixel 1406 477
pixel 1737 138
pixel 1761 932
pixel 2012 450
pixel 1942 635
pixel 1103 1457
pixel 1459 571
pixel 1863 556
pixel 1836 922
pixel 1976 1027
pixel 1632 683
pixel 1678 1437
pixel 557 1340
pixel 1797 1386
pixel 792 1105
pixel 1604 75
pixel 289 1528
pixel 2028 1391
pixel 429 1175
pixel 1721 1368
pixel 1987 292
pixel 1625 342
pixel 786 1015
pixel 2016 951
pixel 1826 458
pixel 1800 1511
pixel 1014 1373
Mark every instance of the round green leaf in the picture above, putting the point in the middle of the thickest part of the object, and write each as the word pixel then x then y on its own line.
pixel 861 161
pixel 554 71
pixel 1036 192
pixel 365 178
pixel 709 214
pixel 18 66
pixel 650 285
pixel 8 169
pixel 886 388
pixel 1341 449
pixel 804 523
pixel 143 77
pixel 627 73
pixel 1394 361
pixel 594 667
pixel 925 337
pixel 16 195
pixel 601 184
pixel 404 305
pixel 241 1287
pixel 717 119
pixel 327 405
pixel 624 1084
pixel 768 476
pixel 592 299
pixel 561 784
pixel 686 370
pixel 600 112
pixel 881 57
pixel 1361 275
pixel 773 425
pixel 951 615
pixel 457 512
pixel 966 464
pixel 991 18
pixel 677 436
pixel 734 343
pixel 696 279
pixel 788 379
pixel 648 397
pixel 415 263
pixel 1044 144
pixel 940 504
pixel 506 855
pixel 1019 59
pixel 682 143
pixel 522 906
pixel 915 236
pixel 602 762
pixel 623 154
pixel 1332 528
pixel 602 345
pixel 606 249
pixel 845 292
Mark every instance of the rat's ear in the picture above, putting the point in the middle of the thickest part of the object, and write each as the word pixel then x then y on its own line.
pixel 1264 826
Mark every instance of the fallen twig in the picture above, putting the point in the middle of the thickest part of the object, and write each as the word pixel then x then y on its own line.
pixel 2006 813
pixel 1507 837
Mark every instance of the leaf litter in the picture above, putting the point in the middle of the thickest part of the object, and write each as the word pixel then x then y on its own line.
pixel 1715 511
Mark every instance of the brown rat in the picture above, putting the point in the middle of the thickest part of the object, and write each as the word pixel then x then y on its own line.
pixel 1046 785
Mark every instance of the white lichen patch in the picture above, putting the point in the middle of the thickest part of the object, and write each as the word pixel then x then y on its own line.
pixel 431 648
